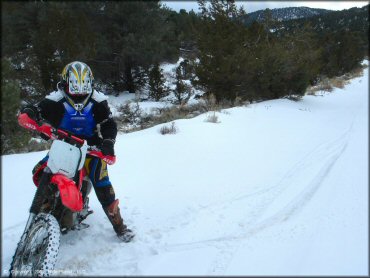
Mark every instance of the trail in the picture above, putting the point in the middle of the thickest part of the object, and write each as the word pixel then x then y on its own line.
pixel 275 188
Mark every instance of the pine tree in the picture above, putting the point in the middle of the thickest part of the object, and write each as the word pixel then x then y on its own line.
pixel 182 90
pixel 49 35
pixel 157 87
pixel 138 36
pixel 220 41
pixel 13 137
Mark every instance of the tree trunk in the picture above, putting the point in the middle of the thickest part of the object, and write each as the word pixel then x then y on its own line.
pixel 129 79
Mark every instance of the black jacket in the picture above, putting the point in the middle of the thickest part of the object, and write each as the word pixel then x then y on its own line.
pixel 52 110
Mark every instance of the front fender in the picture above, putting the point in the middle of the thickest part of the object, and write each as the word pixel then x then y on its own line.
pixel 69 193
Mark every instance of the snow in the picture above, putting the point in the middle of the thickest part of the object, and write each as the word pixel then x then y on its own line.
pixel 150 106
pixel 275 188
pixel 115 102
pixel 146 106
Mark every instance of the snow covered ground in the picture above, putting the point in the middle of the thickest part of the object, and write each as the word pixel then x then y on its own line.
pixel 150 106
pixel 274 188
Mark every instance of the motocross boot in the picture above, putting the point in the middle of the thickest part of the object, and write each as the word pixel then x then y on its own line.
pixel 114 216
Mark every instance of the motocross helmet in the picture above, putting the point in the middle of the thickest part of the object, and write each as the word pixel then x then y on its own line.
pixel 77 80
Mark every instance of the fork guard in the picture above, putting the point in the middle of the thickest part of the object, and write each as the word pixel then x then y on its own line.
pixel 71 197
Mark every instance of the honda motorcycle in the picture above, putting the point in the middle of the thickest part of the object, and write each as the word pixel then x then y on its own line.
pixel 60 203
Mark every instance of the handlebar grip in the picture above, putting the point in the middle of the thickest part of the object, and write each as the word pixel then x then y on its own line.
pixel 25 121
pixel 109 159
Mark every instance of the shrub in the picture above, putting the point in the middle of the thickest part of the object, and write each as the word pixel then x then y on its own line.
pixel 294 97
pixel 323 85
pixel 212 118
pixel 339 82
pixel 210 102
pixel 168 129
pixel 326 84
pixel 130 114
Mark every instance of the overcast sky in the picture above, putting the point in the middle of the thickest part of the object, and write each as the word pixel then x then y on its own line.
pixel 251 6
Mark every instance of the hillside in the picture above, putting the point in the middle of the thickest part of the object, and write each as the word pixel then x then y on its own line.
pixel 354 19
pixel 283 14
pixel 324 23
pixel 274 188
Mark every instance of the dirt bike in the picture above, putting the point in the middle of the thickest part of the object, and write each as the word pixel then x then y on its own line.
pixel 60 203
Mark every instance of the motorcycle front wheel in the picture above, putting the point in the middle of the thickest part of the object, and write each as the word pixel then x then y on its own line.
pixel 37 253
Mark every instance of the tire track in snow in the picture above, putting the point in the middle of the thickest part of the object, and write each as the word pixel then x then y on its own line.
pixel 327 153
pixel 311 159
pixel 221 263
pixel 227 244
pixel 319 153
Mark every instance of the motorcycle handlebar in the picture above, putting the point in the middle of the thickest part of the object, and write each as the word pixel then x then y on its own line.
pixel 25 121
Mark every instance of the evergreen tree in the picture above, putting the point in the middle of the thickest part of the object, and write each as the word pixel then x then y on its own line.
pixel 182 90
pixel 341 52
pixel 186 69
pixel 292 64
pixel 51 34
pixel 138 36
pixel 157 87
pixel 13 137
pixel 184 25
pixel 220 41
pixel 119 40
pixel 122 40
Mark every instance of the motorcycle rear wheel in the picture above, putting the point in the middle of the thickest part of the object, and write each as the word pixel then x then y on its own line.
pixel 37 254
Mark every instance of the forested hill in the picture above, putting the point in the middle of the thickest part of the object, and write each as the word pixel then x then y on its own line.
pixel 354 19
pixel 322 22
pixel 124 42
pixel 283 14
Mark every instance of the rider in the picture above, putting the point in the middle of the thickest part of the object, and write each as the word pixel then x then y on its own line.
pixel 78 108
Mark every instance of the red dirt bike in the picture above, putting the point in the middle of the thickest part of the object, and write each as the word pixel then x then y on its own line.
pixel 60 203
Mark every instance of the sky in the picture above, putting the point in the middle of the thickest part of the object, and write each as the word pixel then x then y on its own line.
pixel 251 6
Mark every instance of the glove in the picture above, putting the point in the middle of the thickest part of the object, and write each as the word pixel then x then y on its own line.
pixel 107 147
pixel 32 112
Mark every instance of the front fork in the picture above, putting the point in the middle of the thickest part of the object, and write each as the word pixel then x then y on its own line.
pixel 36 203
pixel 31 217
pixel 41 192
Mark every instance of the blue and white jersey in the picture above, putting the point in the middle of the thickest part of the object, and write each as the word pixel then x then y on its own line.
pixel 60 113
pixel 80 123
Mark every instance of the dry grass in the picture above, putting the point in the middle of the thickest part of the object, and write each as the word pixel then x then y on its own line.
pixel 328 84
pixel 210 102
pixel 131 121
pixel 212 118
pixel 172 129
pixel 358 72
pixel 339 82
pixel 132 118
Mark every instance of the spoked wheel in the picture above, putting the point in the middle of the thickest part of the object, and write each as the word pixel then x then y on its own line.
pixel 37 254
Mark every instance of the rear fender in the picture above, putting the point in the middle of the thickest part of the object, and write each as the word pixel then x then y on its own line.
pixel 69 193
